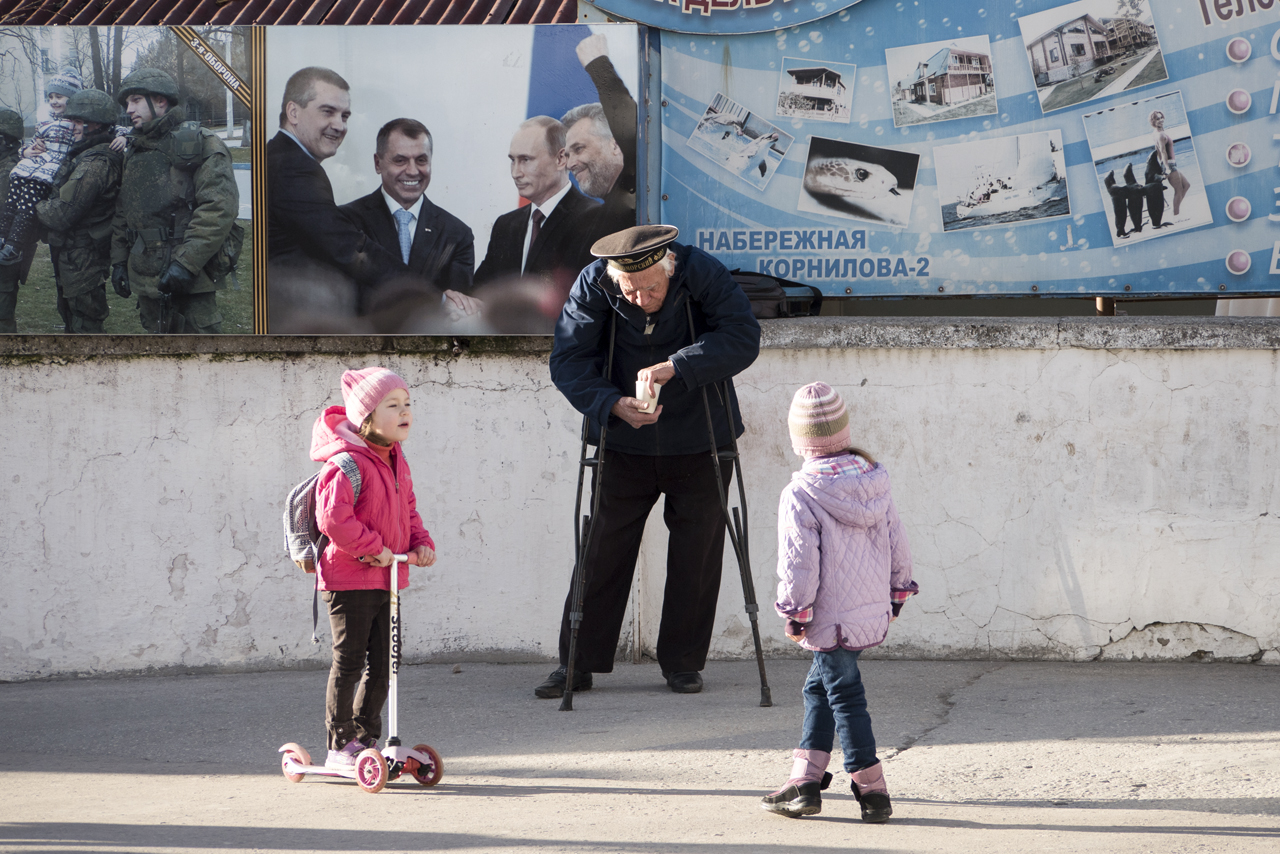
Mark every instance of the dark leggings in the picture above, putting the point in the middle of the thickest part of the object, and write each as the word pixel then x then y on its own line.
pixel 361 625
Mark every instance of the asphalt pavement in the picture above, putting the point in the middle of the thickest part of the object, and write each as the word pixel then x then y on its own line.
pixel 979 757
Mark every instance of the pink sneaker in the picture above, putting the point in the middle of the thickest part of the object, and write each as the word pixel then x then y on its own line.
pixel 345 757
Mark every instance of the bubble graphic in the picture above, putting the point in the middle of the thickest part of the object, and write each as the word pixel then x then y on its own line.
pixel 1239 49
pixel 1239 262
pixel 1238 209
pixel 1239 101
pixel 1239 155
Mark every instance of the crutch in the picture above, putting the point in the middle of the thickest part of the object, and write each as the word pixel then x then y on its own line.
pixel 578 587
pixel 737 525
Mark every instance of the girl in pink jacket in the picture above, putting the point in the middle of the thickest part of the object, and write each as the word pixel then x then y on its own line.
pixel 845 570
pixel 363 535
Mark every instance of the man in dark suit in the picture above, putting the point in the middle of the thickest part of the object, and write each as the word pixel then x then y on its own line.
pixel 551 237
pixel 321 264
pixel 600 139
pixel 437 246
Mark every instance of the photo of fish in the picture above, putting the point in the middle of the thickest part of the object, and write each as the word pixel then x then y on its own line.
pixel 1004 181
pixel 1091 49
pixel 741 141
pixel 817 91
pixel 1147 168
pixel 860 182
pixel 943 80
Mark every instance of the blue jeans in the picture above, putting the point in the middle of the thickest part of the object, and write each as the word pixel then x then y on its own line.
pixel 834 700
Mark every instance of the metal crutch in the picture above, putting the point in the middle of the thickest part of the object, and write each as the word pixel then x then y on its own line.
pixel 737 525
pixel 578 587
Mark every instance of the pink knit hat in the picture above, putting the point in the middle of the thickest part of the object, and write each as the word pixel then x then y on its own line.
pixel 818 421
pixel 363 390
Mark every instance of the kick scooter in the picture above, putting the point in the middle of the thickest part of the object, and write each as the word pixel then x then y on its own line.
pixel 374 768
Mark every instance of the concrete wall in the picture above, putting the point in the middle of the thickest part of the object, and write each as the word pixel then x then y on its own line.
pixel 1073 489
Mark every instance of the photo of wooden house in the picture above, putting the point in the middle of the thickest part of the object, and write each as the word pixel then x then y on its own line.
pixel 816 91
pixel 950 76
pixel 944 80
pixel 1068 50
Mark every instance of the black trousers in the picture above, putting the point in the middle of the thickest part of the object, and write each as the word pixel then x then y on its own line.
pixel 361 624
pixel 632 485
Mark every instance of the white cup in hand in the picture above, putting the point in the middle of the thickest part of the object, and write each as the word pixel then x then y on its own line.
pixel 647 403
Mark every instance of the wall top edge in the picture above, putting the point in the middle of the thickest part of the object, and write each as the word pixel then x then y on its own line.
pixel 811 333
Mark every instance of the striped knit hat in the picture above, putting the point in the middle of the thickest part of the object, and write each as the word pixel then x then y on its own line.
pixel 65 82
pixel 363 390
pixel 818 421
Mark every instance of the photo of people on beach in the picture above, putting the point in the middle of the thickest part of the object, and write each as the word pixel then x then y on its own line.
pixel 943 80
pixel 862 182
pixel 1091 49
pixel 817 91
pixel 1005 181
pixel 1147 168
pixel 741 141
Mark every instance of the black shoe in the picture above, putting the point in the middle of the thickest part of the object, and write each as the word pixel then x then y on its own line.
pixel 553 687
pixel 876 808
pixel 795 801
pixel 684 682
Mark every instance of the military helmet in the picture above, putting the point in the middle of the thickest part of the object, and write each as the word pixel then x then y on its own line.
pixel 92 105
pixel 11 124
pixel 149 81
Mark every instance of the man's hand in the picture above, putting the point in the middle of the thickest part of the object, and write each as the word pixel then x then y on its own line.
pixel 176 280
pixel 459 301
pixel 120 143
pixel 628 409
pixel 120 280
pixel 656 375
pixel 422 556
pixel 592 47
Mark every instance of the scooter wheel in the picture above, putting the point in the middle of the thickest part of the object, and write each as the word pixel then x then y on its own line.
pixel 299 755
pixel 429 776
pixel 371 771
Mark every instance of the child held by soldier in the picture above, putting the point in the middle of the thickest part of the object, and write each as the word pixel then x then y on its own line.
pixel 31 181
pixel 845 570
pixel 364 534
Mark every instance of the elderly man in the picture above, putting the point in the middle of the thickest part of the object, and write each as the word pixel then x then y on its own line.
pixel 601 139
pixel 434 244
pixel 645 284
pixel 548 236
pixel 320 261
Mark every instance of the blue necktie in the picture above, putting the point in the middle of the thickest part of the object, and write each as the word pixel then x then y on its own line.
pixel 404 226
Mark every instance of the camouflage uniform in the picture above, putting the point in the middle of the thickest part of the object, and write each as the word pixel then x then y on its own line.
pixel 10 276
pixel 79 217
pixel 173 209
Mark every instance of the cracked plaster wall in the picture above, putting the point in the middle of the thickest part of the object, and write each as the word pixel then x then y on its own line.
pixel 1061 504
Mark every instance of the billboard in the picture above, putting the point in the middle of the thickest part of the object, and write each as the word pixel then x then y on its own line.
pixel 1099 147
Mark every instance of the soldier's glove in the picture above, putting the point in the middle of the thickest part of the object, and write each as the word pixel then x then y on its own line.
pixel 176 280
pixel 120 279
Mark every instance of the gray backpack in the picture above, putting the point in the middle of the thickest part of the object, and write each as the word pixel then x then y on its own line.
pixel 303 540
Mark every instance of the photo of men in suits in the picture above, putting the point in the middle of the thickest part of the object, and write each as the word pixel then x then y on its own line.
pixel 436 246
pixel 320 263
pixel 552 235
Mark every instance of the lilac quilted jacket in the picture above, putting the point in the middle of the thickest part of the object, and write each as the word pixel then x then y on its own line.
pixel 842 551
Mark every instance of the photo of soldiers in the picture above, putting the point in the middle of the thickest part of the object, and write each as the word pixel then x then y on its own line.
pixel 194 135
pixel 80 213
pixel 177 209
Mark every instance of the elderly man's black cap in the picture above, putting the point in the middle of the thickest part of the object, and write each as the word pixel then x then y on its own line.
pixel 637 248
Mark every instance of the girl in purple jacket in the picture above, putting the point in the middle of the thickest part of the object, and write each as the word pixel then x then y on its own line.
pixel 845 570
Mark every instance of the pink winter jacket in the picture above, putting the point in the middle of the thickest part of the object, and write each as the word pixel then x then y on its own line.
pixel 385 515
pixel 843 553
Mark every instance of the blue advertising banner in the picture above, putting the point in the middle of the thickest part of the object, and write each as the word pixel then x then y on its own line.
pixel 1097 147
pixel 721 16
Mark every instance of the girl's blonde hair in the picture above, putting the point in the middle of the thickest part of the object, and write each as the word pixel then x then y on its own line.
pixel 367 433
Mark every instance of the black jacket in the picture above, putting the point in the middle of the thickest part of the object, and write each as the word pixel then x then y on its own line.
pixel 443 250
pixel 619 107
pixel 725 342
pixel 305 226
pixel 562 249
